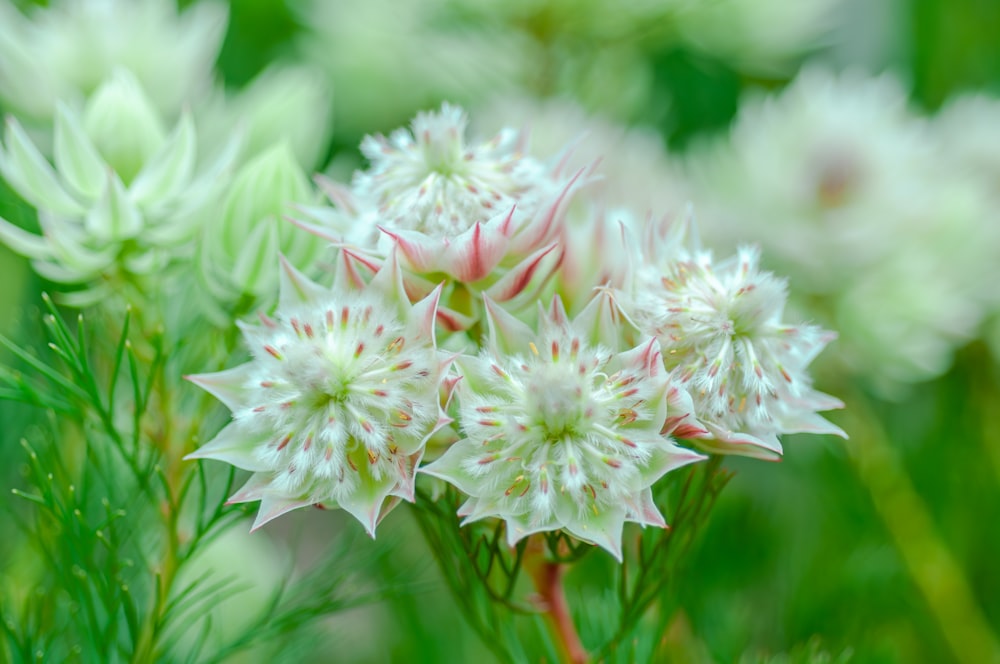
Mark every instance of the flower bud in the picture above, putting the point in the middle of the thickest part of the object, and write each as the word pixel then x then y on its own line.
pixel 123 124
pixel 241 250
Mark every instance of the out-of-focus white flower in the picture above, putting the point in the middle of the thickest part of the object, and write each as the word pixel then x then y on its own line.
pixel 967 130
pixel 560 430
pixel 635 169
pixel 124 196
pixel 385 58
pixel 968 137
pixel 757 35
pixel 483 214
pixel 65 51
pixel 841 184
pixel 239 246
pixel 284 103
pixel 721 332
pixel 338 402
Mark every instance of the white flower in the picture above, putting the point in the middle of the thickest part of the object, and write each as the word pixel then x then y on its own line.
pixel 123 199
pixel 484 214
pixel 427 179
pixel 338 402
pixel 848 191
pixel 722 335
pixel 67 50
pixel 560 431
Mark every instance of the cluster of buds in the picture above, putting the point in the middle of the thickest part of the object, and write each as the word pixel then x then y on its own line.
pixel 548 421
pixel 124 196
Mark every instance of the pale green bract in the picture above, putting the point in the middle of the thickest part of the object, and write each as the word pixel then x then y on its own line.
pixel 123 198
pixel 238 251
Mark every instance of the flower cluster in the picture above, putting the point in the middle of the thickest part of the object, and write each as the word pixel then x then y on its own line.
pixel 546 421
pixel 585 350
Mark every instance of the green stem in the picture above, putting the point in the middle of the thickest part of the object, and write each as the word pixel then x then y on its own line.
pixel 935 571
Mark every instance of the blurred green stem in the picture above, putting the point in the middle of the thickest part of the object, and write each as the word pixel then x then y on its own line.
pixel 934 570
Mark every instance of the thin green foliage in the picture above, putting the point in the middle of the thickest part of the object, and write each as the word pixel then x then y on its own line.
pixel 111 516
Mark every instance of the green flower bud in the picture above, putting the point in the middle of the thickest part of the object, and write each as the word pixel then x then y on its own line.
pixel 123 124
pixel 240 251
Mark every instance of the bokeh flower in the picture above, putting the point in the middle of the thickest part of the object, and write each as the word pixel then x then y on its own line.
pixel 838 167
pixel 65 51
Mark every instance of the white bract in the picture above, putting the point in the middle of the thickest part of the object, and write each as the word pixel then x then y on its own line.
pixel 428 179
pixel 338 401
pixel 561 432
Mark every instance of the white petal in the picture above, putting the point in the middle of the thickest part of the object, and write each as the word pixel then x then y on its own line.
pixel 230 386
pixel 235 445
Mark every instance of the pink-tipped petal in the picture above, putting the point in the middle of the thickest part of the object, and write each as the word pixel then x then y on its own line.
pixel 474 254
pixel 537 267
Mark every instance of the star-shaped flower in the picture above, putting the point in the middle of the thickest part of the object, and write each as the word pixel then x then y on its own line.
pixel 338 402
pixel 561 431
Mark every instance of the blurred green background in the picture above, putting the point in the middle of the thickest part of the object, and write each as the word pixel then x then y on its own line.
pixel 817 556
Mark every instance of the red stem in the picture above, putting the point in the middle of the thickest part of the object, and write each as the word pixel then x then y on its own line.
pixel 548 582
